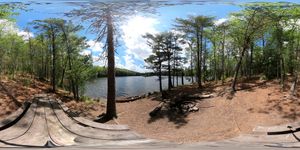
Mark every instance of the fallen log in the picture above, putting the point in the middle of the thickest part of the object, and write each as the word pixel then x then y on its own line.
pixel 199 96
pixel 156 110
pixel 130 99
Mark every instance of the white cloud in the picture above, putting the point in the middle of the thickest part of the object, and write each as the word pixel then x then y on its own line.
pixel 131 65
pixel 133 30
pixel 95 46
pixel 8 27
pixel 220 21
pixel 118 62
pixel 96 50
pixel 26 35
pixel 86 52
pixel 136 47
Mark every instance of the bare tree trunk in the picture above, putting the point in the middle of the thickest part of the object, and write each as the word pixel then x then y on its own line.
pixel 53 60
pixel 111 95
pixel 31 58
pixel 294 85
pixel 177 78
pixel 159 75
pixel 199 51
pixel 63 74
pixel 251 59
pixel 215 61
pixel 223 56
pixel 282 72
pixel 201 54
pixel 281 61
pixel 204 60
pixel 174 67
pixel 182 77
pixel 169 72
pixel 237 68
pixel 192 72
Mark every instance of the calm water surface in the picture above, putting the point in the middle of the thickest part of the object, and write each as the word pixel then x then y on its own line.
pixel 128 86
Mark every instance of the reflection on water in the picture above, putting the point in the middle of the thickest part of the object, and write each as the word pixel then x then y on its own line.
pixel 128 86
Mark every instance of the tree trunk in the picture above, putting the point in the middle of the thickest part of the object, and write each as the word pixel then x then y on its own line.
pixel 169 72
pixel 295 84
pixel 223 56
pixel 192 73
pixel 111 95
pixel 282 72
pixel 173 78
pixel 177 78
pixel 69 49
pixel 182 78
pixel 159 74
pixel 201 51
pixel 251 60
pixel 204 60
pixel 215 62
pixel 237 68
pixel 72 85
pixel 63 75
pixel 31 69
pixel 174 67
pixel 281 61
pixel 53 61
pixel 199 40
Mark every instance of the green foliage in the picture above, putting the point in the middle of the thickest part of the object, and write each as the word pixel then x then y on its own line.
pixel 7 10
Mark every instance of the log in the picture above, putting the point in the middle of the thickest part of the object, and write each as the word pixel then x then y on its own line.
pixel 199 96
pixel 156 110
pixel 130 99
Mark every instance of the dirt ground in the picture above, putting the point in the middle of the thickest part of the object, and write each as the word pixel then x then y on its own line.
pixel 14 92
pixel 221 117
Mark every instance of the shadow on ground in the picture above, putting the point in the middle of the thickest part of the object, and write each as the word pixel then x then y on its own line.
pixel 176 105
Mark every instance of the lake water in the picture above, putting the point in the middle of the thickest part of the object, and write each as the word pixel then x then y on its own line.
pixel 128 86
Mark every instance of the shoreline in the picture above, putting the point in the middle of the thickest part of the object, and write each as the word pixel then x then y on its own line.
pixel 96 89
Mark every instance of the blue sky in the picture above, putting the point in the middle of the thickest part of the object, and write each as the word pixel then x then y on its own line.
pixel 133 48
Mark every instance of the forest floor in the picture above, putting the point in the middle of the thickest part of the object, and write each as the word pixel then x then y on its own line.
pixel 223 116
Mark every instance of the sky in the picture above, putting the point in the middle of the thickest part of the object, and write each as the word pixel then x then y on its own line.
pixel 132 48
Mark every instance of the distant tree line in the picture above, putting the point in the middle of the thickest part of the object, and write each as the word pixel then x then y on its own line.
pixel 99 71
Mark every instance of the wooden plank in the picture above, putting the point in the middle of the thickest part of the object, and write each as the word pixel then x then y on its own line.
pixel 88 132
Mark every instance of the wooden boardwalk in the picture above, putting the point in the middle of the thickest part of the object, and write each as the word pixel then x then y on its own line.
pixel 47 123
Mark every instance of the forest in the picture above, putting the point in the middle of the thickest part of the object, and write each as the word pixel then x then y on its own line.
pixel 263 39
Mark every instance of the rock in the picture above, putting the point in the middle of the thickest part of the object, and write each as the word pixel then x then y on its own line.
pixel 194 109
